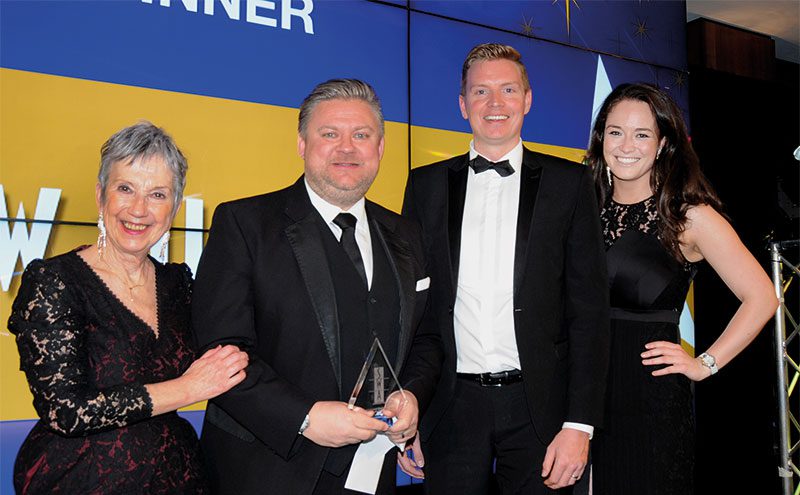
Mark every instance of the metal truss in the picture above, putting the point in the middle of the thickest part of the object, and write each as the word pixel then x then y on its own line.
pixel 784 273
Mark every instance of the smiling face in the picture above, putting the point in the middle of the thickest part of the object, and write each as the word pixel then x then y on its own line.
pixel 495 103
pixel 342 148
pixel 630 145
pixel 138 204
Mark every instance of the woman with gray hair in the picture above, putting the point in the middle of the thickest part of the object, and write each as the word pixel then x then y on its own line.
pixel 103 338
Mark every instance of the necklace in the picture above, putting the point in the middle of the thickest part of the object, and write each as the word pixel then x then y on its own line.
pixel 126 282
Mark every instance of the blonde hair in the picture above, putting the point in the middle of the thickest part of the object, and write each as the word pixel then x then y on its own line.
pixel 493 51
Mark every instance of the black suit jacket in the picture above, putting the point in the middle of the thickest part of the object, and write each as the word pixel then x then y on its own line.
pixel 264 284
pixel 560 285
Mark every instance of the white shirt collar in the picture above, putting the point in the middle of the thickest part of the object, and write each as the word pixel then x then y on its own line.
pixel 514 156
pixel 329 211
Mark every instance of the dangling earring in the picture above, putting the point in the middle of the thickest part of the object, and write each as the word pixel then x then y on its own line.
pixel 608 173
pixel 164 244
pixel 101 237
pixel 658 153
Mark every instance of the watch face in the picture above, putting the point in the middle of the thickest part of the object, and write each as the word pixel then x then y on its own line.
pixel 709 362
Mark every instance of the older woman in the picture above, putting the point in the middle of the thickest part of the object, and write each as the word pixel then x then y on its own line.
pixel 660 218
pixel 103 338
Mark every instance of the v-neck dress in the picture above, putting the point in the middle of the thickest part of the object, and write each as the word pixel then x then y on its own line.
pixel 87 358
pixel 646 446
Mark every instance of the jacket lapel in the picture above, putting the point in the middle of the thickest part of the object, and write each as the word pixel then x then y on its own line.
pixel 456 193
pixel 306 242
pixel 529 187
pixel 398 253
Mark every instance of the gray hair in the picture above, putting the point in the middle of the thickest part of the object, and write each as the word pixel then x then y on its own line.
pixel 339 89
pixel 143 140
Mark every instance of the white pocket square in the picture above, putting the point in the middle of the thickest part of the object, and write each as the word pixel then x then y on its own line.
pixel 423 283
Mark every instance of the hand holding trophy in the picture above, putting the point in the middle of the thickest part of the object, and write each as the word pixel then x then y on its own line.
pixel 379 390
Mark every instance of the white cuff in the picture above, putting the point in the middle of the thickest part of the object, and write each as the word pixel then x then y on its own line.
pixel 581 427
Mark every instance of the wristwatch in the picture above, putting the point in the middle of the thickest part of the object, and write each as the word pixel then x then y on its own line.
pixel 709 362
pixel 304 426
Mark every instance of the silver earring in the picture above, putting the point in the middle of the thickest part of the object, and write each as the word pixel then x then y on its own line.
pixel 658 153
pixel 164 244
pixel 101 237
pixel 608 173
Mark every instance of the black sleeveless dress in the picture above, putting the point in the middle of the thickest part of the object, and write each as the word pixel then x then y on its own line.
pixel 87 357
pixel 646 445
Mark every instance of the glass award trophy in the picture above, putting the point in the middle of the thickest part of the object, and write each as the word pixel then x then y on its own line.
pixel 375 383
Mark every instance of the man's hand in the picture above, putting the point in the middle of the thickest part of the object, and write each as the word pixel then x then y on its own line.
pixel 565 458
pixel 411 460
pixel 332 424
pixel 404 406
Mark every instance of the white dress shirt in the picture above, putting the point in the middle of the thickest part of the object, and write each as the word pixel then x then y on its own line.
pixel 484 309
pixel 363 239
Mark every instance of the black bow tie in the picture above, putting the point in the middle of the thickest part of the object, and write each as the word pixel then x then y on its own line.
pixel 480 164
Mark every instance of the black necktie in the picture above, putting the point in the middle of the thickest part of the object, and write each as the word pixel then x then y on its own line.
pixel 347 222
pixel 480 164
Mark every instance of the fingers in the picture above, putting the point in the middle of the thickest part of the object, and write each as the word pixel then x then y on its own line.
pixel 673 358
pixel 237 378
pixel 408 466
pixel 367 422
pixel 416 451
pixel 403 406
pixel 565 458
pixel 411 460
pixel 395 404
pixel 236 362
pixel 549 459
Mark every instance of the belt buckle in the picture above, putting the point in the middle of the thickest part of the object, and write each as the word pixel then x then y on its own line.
pixel 487 380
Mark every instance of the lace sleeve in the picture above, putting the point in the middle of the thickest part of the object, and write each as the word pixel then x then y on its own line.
pixel 187 283
pixel 50 332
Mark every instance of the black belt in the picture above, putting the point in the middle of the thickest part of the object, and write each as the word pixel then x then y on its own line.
pixel 646 315
pixel 497 379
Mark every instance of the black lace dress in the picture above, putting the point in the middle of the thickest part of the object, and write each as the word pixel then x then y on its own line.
pixel 646 446
pixel 87 357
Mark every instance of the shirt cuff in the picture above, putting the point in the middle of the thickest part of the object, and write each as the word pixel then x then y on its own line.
pixel 579 426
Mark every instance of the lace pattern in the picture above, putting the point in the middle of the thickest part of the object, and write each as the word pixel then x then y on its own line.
pixel 50 339
pixel 87 357
pixel 617 218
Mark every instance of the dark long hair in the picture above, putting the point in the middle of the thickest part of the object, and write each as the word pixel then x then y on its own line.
pixel 676 180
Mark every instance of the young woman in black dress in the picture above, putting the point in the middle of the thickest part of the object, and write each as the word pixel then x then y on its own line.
pixel 660 218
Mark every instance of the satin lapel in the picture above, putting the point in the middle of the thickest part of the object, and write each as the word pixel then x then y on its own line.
pixel 398 253
pixel 529 187
pixel 456 193
pixel 304 237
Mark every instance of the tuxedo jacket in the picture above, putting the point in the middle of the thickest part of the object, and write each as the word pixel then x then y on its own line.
pixel 264 284
pixel 560 285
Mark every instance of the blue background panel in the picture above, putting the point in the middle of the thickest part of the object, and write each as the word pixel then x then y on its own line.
pixel 649 31
pixel 562 80
pixel 148 45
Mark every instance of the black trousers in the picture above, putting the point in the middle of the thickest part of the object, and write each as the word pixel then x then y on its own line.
pixel 485 428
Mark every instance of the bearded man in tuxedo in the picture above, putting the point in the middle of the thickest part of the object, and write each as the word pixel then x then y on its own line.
pixel 304 279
